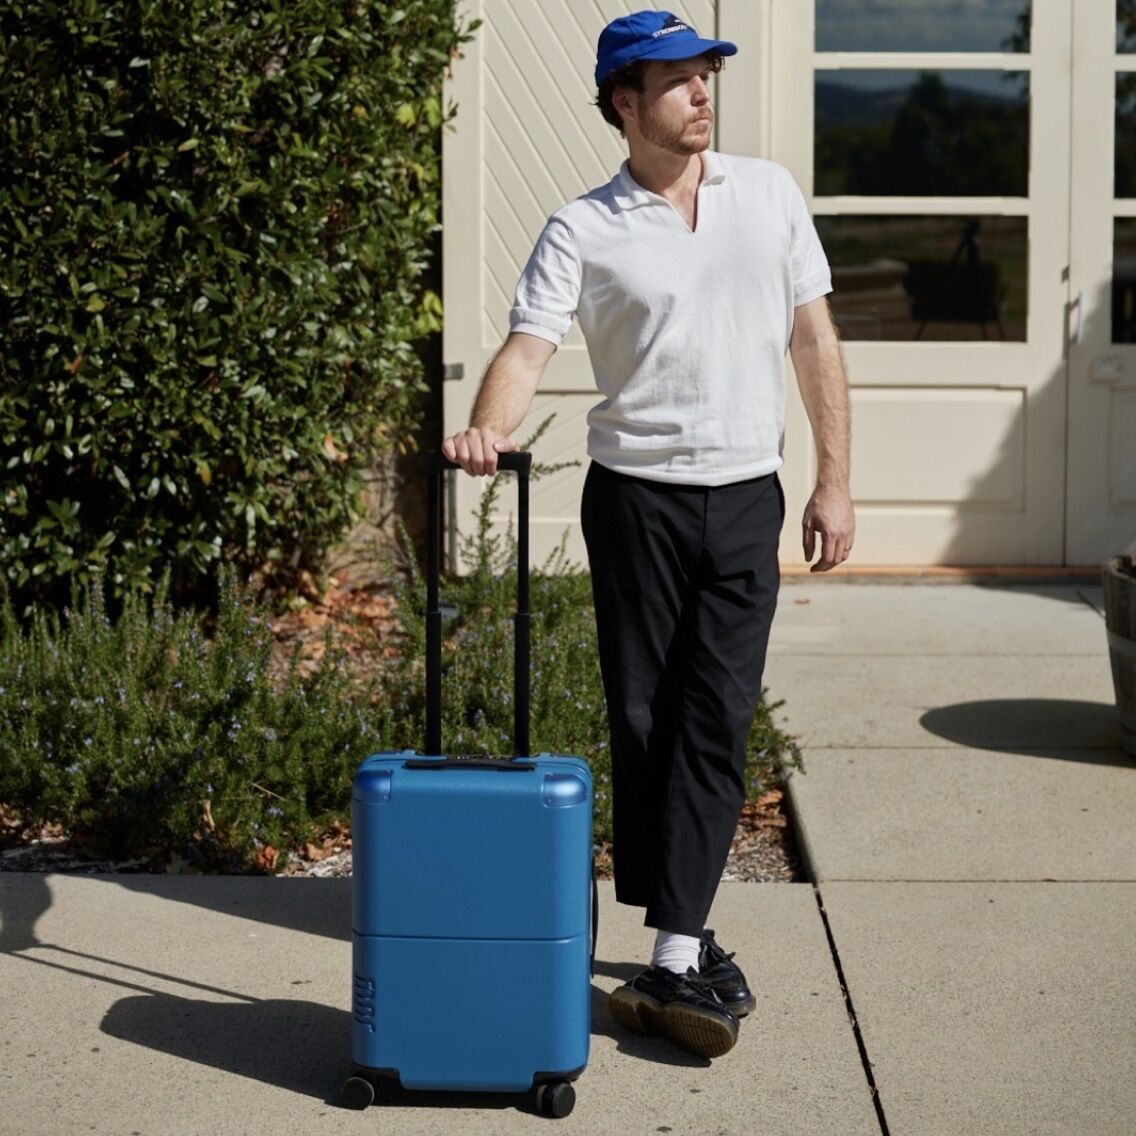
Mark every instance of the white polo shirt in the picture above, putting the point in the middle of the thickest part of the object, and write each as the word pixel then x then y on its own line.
pixel 687 331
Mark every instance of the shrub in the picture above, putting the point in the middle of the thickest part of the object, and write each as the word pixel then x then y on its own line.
pixel 214 221
pixel 149 742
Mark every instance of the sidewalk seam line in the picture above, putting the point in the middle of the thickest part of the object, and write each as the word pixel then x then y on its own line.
pixel 861 1047
pixel 805 859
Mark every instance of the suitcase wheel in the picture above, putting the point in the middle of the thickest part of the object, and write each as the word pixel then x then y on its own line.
pixel 358 1092
pixel 555 1098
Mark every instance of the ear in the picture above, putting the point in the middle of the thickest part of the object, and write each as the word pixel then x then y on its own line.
pixel 624 102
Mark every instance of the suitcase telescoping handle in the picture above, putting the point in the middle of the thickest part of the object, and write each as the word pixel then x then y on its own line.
pixel 521 464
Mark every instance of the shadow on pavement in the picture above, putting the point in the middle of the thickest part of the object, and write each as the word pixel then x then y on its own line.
pixel 21 906
pixel 289 1044
pixel 293 1045
pixel 312 906
pixel 624 971
pixel 1045 727
pixel 315 907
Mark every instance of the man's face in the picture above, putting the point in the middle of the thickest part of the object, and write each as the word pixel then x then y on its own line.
pixel 674 110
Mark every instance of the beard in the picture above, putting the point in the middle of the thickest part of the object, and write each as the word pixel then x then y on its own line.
pixel 684 137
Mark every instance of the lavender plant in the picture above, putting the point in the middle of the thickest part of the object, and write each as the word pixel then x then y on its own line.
pixel 150 742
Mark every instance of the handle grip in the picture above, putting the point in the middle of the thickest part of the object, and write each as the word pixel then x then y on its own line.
pixel 515 461
pixel 520 463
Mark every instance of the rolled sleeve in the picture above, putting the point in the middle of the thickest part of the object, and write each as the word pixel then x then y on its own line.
pixel 548 291
pixel 812 276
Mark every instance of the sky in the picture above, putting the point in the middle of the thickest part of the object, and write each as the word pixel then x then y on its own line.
pixel 915 25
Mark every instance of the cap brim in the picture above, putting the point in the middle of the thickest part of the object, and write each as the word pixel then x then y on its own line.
pixel 686 49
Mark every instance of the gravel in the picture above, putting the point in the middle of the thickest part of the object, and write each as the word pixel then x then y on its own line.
pixel 756 857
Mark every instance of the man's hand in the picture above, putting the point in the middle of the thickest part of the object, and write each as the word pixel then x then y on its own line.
pixel 476 449
pixel 829 513
pixel 503 400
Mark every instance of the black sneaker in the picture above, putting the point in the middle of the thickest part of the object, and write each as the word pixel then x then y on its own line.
pixel 716 969
pixel 679 1006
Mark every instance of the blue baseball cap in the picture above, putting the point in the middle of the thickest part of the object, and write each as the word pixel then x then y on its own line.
pixel 651 35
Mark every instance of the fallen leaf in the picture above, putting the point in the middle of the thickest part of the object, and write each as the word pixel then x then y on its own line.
pixel 308 584
pixel 332 450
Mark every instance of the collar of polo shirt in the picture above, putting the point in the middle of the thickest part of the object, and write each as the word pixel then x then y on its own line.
pixel 629 194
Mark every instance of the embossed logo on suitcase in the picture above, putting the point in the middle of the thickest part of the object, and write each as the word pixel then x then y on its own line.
pixel 365 993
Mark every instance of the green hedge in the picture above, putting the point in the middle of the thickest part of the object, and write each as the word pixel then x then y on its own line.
pixel 215 218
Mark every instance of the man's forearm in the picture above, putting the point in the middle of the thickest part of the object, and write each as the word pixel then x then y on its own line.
pixel 506 391
pixel 502 401
pixel 821 377
pixel 819 363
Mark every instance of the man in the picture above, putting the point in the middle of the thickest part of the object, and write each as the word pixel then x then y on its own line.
pixel 691 273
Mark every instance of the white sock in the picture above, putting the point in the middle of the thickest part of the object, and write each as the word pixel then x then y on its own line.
pixel 675 952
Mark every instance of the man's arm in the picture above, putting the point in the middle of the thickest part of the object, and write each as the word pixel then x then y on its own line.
pixel 503 400
pixel 819 363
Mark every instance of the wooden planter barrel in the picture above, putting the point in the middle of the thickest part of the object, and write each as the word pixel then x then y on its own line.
pixel 1120 617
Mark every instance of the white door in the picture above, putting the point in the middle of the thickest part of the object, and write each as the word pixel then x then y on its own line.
pixel 933 142
pixel 1101 517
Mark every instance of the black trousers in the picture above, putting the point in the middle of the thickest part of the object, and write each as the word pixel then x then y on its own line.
pixel 685 583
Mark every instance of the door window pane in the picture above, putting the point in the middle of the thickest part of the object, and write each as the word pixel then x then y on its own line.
pixel 929 25
pixel 1126 134
pixel 927 277
pixel 895 132
pixel 1126 25
pixel 1124 280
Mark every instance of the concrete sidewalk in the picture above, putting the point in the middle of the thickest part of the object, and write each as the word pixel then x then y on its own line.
pixel 967 818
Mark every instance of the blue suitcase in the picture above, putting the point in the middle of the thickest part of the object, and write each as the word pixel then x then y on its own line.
pixel 473 933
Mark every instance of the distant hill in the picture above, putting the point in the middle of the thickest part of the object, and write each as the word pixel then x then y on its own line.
pixel 839 104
